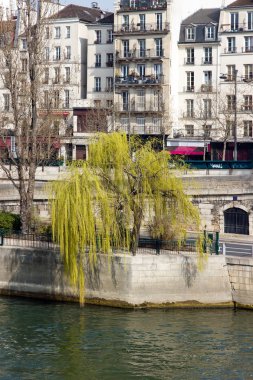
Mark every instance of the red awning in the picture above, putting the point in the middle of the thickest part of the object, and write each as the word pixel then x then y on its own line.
pixel 188 151
pixel 5 142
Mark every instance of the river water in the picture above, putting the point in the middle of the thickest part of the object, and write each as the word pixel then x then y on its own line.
pixel 43 340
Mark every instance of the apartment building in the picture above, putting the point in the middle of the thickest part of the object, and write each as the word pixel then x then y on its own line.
pixel 198 54
pixel 236 83
pixel 142 61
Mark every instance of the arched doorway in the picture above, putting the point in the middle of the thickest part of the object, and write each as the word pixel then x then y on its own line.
pixel 236 221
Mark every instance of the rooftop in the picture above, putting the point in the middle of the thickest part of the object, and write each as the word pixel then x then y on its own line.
pixel 241 3
pixel 82 13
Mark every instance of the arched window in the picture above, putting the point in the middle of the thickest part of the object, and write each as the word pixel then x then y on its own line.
pixel 236 221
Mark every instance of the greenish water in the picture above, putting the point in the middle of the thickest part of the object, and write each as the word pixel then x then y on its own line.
pixel 40 340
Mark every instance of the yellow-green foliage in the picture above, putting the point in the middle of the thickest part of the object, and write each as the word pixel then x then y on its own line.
pixel 100 205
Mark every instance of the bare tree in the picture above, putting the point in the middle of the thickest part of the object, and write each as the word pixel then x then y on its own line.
pixel 26 119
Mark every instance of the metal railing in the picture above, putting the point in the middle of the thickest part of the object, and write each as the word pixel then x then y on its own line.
pixel 142 28
pixel 31 240
pixel 139 54
pixel 142 5
pixel 220 164
pixel 142 80
pixel 140 130
pixel 157 246
pixel 225 28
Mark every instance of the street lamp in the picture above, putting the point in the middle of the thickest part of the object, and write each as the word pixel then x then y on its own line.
pixel 224 76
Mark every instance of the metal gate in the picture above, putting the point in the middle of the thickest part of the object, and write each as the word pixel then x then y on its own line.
pixel 236 221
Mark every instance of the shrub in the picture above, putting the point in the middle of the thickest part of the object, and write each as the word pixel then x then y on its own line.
pixel 9 221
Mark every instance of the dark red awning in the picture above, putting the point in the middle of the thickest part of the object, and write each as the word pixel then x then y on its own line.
pixel 187 151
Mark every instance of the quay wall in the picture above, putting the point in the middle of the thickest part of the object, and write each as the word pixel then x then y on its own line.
pixel 144 280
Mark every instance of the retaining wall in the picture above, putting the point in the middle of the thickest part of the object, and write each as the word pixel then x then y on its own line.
pixel 141 280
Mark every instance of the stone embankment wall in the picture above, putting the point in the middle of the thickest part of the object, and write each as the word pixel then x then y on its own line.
pixel 128 281
pixel 241 278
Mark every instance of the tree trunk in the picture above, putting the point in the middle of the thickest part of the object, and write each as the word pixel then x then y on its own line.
pixel 26 193
pixel 135 233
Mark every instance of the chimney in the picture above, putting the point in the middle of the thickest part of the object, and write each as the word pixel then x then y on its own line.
pixel 94 5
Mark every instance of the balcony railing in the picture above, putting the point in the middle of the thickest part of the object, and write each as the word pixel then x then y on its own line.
pixel 140 130
pixel 231 50
pixel 189 61
pixel 139 54
pixel 140 28
pixel 247 108
pixel 189 89
pixel 144 80
pixel 228 28
pixel 142 5
pixel 207 61
pixel 206 88
pixel 136 107
pixel 248 49
pixel 109 64
pixel 188 115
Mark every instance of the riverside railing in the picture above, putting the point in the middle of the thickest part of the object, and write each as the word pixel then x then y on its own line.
pixel 30 240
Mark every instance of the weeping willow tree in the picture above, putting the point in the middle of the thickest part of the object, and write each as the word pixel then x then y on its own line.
pixel 101 205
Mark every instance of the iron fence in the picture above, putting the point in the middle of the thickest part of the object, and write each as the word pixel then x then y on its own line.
pixel 30 240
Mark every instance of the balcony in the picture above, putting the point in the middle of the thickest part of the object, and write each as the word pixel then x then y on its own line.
pixel 142 5
pixel 189 115
pixel 142 28
pixel 231 50
pixel 207 61
pixel 247 108
pixel 148 107
pixel 206 88
pixel 109 64
pixel 139 54
pixel 237 28
pixel 189 89
pixel 135 129
pixel 248 49
pixel 149 80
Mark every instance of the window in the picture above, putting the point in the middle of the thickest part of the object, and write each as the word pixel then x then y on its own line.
pixel 141 70
pixel 109 59
pixel 142 47
pixel 97 103
pixel 190 33
pixel 248 43
pixel 46 99
pixel 189 108
pixel 47 33
pixel 56 99
pixel 67 74
pixel 210 32
pixel 140 100
pixel 46 75
pixel 247 128
pixel 125 48
pixel 97 84
pixel 234 20
pixel 231 102
pixel 190 56
pixel 159 47
pixel 109 103
pixel 68 52
pixel 24 44
pixel 230 128
pixel 231 72
pixel 6 102
pixel 125 100
pixel 47 53
pixel 57 32
pixel 142 22
pixel 97 60
pixel 247 106
pixel 190 81
pixel 56 75
pixel 248 71
pixel 158 70
pixel 98 37
pixel 24 65
pixel 189 130
pixel 208 78
pixel 124 123
pixel 250 20
pixel 207 131
pixel 140 125
pixel 57 56
pixel 66 98
pixel 125 71
pixel 208 55
pixel 109 36
pixel 231 45
pixel 159 21
pixel 207 107
pixel 109 84
pixel 125 22
pixel 67 31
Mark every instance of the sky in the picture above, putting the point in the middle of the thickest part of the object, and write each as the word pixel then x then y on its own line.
pixel 108 4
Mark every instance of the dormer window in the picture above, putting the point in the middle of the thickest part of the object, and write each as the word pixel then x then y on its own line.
pixel 190 33
pixel 210 32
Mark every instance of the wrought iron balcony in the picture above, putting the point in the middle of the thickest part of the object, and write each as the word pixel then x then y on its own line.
pixel 207 61
pixel 189 61
pixel 149 80
pixel 231 50
pixel 147 107
pixel 142 5
pixel 139 54
pixel 228 28
pixel 134 129
pixel 141 28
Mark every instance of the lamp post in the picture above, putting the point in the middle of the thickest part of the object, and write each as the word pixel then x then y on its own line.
pixel 224 76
